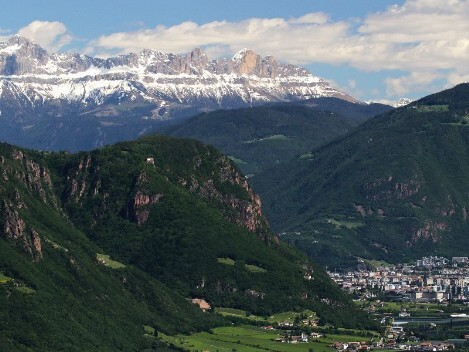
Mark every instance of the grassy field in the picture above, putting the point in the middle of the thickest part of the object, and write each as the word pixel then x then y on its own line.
pixel 20 287
pixel 249 267
pixel 290 316
pixel 226 261
pixel 230 311
pixel 250 339
pixel 4 279
pixel 25 289
pixel 55 245
pixel 376 263
pixel 277 318
pixel 345 224
pixel 149 330
pixel 105 260
pixel 433 108
pixel 254 268
pixel 420 310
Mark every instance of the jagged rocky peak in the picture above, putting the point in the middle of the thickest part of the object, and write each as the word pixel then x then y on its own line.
pixel 247 62
pixel 198 56
pixel 152 85
pixel 19 55
pixel 17 41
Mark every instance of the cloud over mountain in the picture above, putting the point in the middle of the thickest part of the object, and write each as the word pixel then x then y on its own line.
pixel 419 44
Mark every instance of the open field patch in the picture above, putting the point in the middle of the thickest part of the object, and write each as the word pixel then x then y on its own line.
pixel 432 108
pixel 254 268
pixel 226 261
pixel 345 224
pixel 107 261
pixel 251 338
pixel 4 279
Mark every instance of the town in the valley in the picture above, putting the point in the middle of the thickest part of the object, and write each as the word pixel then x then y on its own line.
pixel 430 279
pixel 424 305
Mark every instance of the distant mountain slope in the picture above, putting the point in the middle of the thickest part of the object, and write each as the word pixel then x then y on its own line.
pixel 260 137
pixel 177 214
pixel 395 188
pixel 100 98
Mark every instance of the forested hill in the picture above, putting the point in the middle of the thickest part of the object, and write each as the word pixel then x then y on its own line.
pixel 94 246
pixel 260 137
pixel 394 189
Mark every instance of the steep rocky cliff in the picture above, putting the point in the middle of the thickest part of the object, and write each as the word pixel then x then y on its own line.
pixel 22 177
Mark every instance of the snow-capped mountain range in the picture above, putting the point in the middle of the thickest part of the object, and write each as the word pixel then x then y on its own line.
pixel 152 86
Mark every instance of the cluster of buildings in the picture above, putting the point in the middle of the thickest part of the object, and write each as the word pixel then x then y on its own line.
pixel 425 346
pixel 429 279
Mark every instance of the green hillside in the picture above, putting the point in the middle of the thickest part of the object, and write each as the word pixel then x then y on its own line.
pixel 261 137
pixel 95 246
pixel 395 188
pixel 56 295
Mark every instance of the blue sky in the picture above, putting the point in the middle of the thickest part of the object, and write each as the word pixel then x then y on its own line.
pixel 372 49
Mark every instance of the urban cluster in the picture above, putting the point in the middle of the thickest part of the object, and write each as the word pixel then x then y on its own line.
pixel 428 279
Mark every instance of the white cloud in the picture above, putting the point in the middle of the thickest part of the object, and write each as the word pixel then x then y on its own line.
pixel 429 34
pixel 312 18
pixel 51 35
pixel 295 40
pixel 414 81
pixel 425 39
pixel 420 37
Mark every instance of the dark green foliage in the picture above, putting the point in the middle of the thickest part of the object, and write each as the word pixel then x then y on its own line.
pixel 400 177
pixel 66 300
pixel 261 137
pixel 62 298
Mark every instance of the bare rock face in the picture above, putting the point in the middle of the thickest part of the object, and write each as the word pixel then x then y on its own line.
pixel 19 167
pixel 35 176
pixel 429 232
pixel 15 229
pixel 78 183
pixel 243 211
pixel 138 209
pixel 22 57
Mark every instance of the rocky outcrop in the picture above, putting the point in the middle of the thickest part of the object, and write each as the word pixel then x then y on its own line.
pixel 431 231
pixel 15 229
pixel 138 208
pixel 78 182
pixel 33 175
pixel 385 189
pixel 243 209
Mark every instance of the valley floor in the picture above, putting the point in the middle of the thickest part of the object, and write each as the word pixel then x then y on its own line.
pixel 248 338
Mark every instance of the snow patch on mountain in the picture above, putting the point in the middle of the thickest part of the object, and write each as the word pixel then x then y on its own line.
pixel 30 76
pixel 402 102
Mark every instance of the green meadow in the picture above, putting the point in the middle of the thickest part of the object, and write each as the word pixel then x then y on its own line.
pixel 251 339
